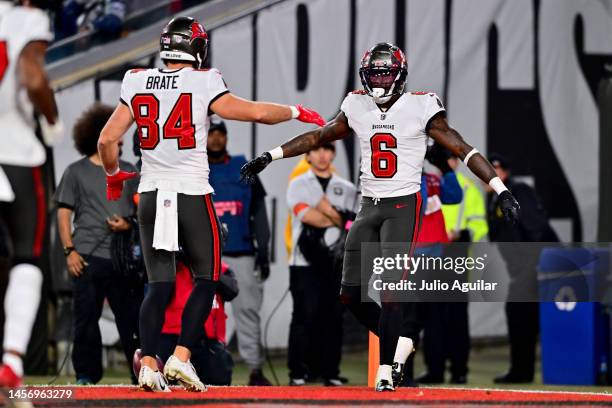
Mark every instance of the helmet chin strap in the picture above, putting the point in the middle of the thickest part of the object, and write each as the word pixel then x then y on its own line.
pixel 378 95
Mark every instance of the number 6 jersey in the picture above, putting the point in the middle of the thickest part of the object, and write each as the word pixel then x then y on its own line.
pixel 393 143
pixel 171 110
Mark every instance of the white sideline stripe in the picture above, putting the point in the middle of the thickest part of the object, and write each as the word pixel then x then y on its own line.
pixel 527 391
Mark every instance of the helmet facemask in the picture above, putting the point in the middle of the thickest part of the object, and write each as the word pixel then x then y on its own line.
pixel 381 83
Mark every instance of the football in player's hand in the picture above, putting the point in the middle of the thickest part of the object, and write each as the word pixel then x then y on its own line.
pixel 136 362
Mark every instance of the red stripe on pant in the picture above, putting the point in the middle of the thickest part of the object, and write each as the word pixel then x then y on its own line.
pixel 417 222
pixel 215 236
pixel 41 212
pixel 415 231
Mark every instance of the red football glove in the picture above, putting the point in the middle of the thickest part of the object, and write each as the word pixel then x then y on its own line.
pixel 309 116
pixel 114 184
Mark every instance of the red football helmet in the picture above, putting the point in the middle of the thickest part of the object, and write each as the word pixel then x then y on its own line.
pixel 383 71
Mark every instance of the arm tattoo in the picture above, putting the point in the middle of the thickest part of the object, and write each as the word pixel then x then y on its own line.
pixel 448 137
pixel 302 143
pixel 336 129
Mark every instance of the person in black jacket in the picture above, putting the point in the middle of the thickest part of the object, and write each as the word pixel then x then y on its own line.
pixel 521 262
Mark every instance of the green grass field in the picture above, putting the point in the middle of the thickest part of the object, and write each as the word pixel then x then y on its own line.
pixel 485 363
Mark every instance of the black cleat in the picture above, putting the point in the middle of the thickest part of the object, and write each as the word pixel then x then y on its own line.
pixel 397 374
pixel 333 382
pixel 459 379
pixel 429 378
pixel 257 379
pixel 383 386
pixel 511 378
pixel 409 382
pixel 297 382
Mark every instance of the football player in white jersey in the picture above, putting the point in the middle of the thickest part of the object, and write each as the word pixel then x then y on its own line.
pixel 24 89
pixel 171 107
pixel 392 127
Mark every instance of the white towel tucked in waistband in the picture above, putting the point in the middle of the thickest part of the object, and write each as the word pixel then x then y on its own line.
pixel 6 191
pixel 165 233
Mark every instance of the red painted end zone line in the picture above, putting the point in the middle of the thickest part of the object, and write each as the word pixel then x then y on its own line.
pixel 340 394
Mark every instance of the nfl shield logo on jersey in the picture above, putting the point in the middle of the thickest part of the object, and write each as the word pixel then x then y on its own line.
pixel 167 203
pixel 383 116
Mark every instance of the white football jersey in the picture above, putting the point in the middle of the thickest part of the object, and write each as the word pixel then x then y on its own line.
pixel 392 143
pixel 19 26
pixel 171 109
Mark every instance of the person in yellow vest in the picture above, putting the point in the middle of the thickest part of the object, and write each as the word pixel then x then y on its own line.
pixel 465 222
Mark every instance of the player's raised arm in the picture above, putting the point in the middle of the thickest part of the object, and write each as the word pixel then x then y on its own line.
pixel 231 107
pixel 338 128
pixel 448 137
pixel 33 77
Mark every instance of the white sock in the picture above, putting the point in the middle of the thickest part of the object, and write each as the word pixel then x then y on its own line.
pixel 384 373
pixel 403 350
pixel 13 361
pixel 20 306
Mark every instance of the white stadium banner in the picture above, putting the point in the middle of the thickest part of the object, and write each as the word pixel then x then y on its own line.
pixel 519 78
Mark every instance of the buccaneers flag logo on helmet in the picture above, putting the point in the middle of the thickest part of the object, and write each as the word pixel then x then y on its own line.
pixel 184 39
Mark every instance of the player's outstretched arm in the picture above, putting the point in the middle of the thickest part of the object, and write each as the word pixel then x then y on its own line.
pixel 448 137
pixel 232 107
pixel 108 148
pixel 338 128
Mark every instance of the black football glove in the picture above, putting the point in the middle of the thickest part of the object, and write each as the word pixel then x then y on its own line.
pixel 438 156
pixel 254 167
pixel 509 206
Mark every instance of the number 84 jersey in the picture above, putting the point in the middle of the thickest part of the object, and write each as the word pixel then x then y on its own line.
pixel 171 110
pixel 392 143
